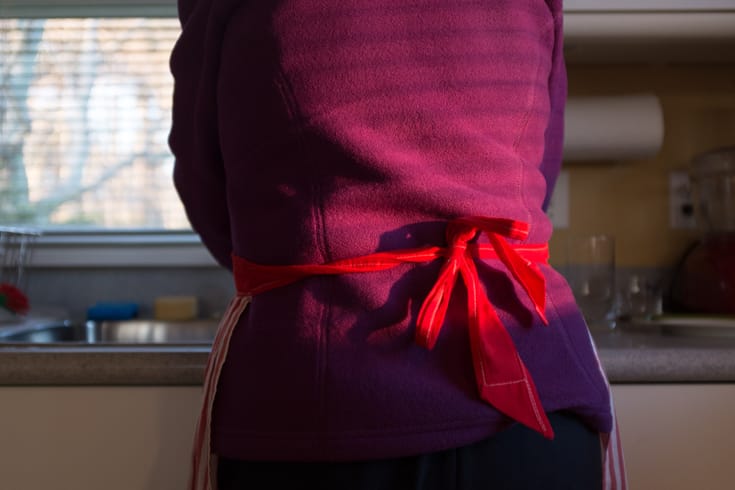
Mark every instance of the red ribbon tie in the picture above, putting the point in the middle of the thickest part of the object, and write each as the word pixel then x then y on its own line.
pixel 501 376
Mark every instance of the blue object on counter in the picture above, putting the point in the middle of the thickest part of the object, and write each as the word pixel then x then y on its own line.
pixel 112 311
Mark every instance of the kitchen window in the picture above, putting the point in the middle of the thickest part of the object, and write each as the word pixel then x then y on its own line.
pixel 85 106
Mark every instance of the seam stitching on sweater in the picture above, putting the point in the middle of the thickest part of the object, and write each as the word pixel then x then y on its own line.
pixel 319 237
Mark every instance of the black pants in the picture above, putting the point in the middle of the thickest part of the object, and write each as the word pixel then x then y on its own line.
pixel 516 459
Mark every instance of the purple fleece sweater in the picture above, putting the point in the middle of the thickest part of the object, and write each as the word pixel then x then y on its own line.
pixel 307 131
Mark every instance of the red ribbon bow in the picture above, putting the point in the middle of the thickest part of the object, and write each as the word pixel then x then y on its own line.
pixel 502 378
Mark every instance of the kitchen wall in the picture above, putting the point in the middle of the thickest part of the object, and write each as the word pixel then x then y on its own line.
pixel 630 198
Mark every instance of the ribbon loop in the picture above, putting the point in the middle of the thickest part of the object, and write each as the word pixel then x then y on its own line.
pixel 434 308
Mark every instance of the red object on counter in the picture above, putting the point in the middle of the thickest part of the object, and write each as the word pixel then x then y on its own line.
pixel 13 299
pixel 705 281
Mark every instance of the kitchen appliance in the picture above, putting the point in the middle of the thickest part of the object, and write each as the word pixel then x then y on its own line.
pixel 704 280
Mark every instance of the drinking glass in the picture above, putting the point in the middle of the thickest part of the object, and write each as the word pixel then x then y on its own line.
pixel 590 271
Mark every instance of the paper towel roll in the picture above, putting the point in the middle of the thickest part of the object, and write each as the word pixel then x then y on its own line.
pixel 612 127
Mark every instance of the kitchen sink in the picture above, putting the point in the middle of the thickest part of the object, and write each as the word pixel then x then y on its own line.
pixel 135 332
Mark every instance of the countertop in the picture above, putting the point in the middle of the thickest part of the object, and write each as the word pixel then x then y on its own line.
pixel 654 356
pixel 636 355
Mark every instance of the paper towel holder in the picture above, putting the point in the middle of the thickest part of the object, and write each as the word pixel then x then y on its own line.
pixel 612 127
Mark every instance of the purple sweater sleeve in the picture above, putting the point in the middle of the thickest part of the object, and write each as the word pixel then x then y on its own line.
pixel 199 174
pixel 554 136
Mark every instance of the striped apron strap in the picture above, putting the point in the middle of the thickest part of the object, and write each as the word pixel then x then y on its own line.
pixel 203 465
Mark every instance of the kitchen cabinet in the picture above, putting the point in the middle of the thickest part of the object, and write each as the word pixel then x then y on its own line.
pixel 92 438
pixel 649 31
pixel 648 5
pixel 675 436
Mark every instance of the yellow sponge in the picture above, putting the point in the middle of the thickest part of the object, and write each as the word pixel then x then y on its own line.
pixel 175 308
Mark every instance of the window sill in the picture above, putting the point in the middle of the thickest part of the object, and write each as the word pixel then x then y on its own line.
pixel 120 249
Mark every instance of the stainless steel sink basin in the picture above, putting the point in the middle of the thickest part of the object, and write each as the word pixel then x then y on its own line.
pixel 134 332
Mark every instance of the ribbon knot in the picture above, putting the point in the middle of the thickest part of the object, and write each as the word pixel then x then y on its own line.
pixel 459 234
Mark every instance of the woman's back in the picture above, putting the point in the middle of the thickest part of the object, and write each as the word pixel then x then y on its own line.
pixel 324 130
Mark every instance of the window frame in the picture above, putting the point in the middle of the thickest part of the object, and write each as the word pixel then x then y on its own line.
pixel 119 248
pixel 67 248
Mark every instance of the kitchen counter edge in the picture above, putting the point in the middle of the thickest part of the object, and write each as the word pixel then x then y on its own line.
pixel 626 357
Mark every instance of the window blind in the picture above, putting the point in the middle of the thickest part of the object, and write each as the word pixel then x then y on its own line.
pixel 85 105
